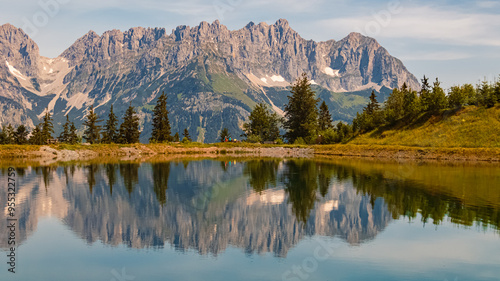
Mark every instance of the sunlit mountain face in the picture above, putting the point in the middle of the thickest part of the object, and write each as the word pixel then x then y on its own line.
pixel 213 76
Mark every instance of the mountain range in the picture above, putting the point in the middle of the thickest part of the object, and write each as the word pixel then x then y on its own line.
pixel 212 76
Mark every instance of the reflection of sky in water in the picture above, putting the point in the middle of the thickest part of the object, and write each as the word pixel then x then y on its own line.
pixel 242 226
pixel 404 251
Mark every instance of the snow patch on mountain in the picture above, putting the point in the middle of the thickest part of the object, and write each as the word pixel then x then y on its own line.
pixel 331 72
pixel 277 78
pixel 14 71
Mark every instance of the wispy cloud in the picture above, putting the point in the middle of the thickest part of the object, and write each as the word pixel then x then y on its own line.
pixel 430 23
pixel 436 56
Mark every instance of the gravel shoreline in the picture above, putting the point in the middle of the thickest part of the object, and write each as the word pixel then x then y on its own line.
pixel 142 152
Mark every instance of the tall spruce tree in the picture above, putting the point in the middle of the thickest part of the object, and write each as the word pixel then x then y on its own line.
pixel 47 127
pixel 301 112
pixel 425 95
pixel 129 129
pixel 73 137
pixel 92 133
pixel 161 124
pixel 110 133
pixel 325 118
pixel 64 136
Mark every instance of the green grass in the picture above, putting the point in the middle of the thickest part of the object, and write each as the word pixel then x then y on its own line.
pixel 470 127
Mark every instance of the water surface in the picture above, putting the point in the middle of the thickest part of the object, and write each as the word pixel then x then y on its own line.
pixel 255 220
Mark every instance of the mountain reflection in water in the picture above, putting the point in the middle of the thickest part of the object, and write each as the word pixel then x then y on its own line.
pixel 257 205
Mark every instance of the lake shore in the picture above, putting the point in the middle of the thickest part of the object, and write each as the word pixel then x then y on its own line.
pixel 62 152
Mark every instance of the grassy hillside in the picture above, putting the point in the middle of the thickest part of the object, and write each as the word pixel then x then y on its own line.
pixel 468 127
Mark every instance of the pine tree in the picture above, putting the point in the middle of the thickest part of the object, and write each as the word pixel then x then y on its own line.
pixel 73 137
pixel 129 129
pixel 161 124
pixel 21 135
pixel 325 118
pixel 47 127
pixel 486 94
pixel 110 134
pixel 438 100
pixel 425 95
pixel 176 137
pixel 224 134
pixel 64 136
pixel 394 106
pixel 92 132
pixel 9 133
pixel 373 106
pixel 263 124
pixel 411 103
pixel 186 135
pixel 36 136
pixel 301 112
pixel 457 97
pixel 273 132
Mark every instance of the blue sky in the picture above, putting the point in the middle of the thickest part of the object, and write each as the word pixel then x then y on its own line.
pixel 457 41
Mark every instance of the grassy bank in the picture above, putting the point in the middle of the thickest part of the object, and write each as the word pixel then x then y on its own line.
pixel 469 127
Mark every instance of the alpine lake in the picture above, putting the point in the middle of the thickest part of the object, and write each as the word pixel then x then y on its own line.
pixel 250 219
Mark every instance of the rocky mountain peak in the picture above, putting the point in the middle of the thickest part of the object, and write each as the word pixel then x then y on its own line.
pixel 18 50
pixel 282 23
pixel 205 67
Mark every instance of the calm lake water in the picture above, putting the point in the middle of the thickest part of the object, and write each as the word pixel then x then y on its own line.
pixel 254 220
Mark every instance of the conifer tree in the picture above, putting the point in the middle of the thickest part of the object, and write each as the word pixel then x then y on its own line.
pixel 186 135
pixel 325 118
pixel 373 106
pixel 129 129
pixel 394 106
pixel 486 94
pixel 411 103
pixel 47 127
pixel 21 135
pixel 263 124
pixel 301 112
pixel 9 133
pixel 161 124
pixel 425 95
pixel 64 136
pixel 176 137
pixel 457 97
pixel 438 100
pixel 36 135
pixel 110 133
pixel 73 137
pixel 92 133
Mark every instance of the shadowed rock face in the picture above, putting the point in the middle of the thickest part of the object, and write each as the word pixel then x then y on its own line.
pixel 213 76
pixel 206 206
